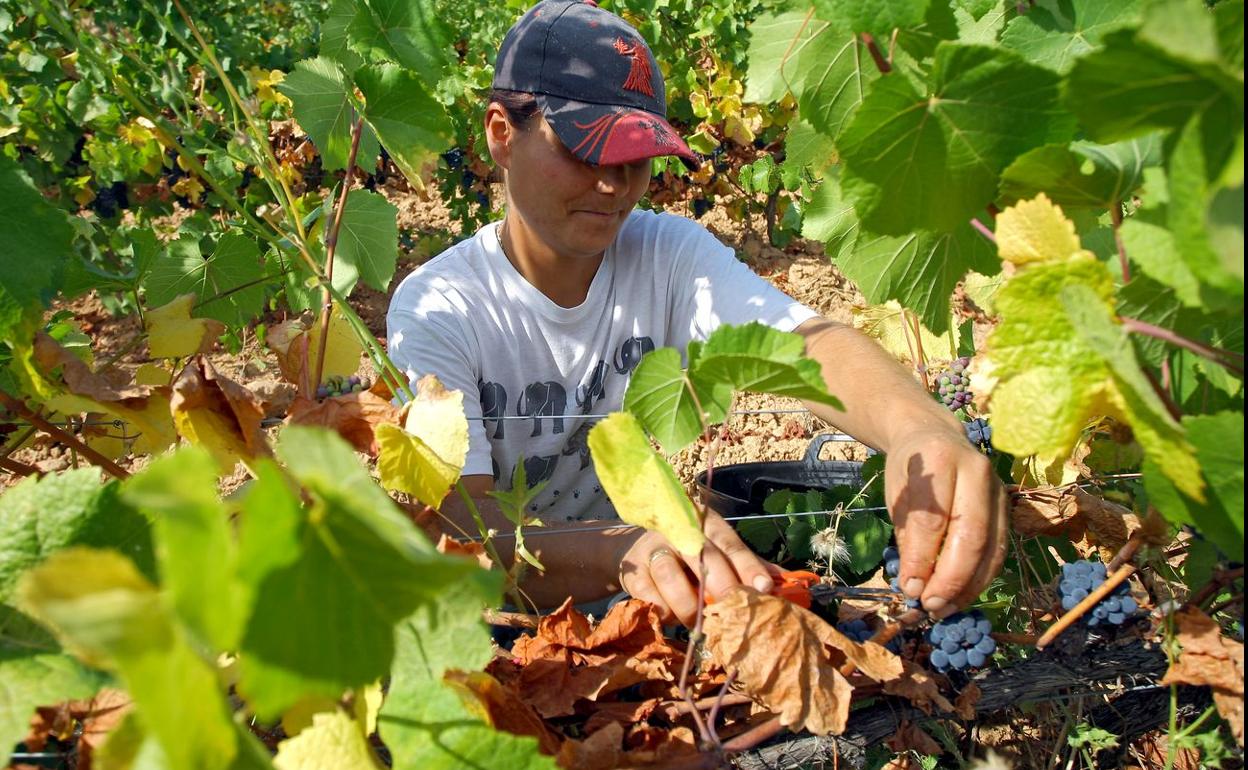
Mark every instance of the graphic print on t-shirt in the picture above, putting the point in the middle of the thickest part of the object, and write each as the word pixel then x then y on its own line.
pixel 578 443
pixel 539 469
pixel 543 399
pixel 630 352
pixel 493 404
pixel 589 392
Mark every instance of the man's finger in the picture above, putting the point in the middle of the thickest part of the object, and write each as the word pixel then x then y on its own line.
pixel 922 496
pixel 998 542
pixel 672 581
pixel 749 568
pixel 637 584
pixel 972 526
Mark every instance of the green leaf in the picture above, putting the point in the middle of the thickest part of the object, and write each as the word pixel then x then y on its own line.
pixel 107 612
pixel 876 17
pixel 931 160
pixel 41 516
pixel 830 218
pixel 228 286
pixel 194 542
pixel 409 32
pixel 426 724
pixel 320 92
pixel 1056 33
pixel 37 239
pixel 35 673
pixel 797 537
pixel 760 534
pixel 920 270
pixel 642 485
pixel 658 396
pixel 1229 18
pixel 776 40
pixel 1183 28
pixel 1219 440
pixel 335 44
pixel 1163 91
pixel 1148 300
pixel 1082 174
pixel 756 358
pixel 985 28
pixel 410 123
pixel 835 71
pixel 1151 245
pixel 807 149
pixel 348 562
pixel 865 535
pixel 368 239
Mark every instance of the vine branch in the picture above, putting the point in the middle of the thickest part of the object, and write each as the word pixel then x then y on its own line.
pixel 1115 213
pixel 1228 359
pixel 331 246
pixel 881 63
pixel 17 407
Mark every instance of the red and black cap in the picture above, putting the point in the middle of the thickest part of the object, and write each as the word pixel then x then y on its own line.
pixel 595 79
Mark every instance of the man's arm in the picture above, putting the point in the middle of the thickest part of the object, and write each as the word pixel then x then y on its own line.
pixel 946 502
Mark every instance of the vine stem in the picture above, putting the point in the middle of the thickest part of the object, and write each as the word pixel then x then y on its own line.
pixel 983 230
pixel 331 246
pixel 1115 214
pixel 17 468
pixel 881 63
pixel 1128 551
pixel 755 735
pixel 1228 359
pixel 17 407
pixel 1220 578
pixel 1079 610
pixel 719 701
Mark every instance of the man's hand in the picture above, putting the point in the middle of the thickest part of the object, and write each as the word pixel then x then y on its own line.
pixel 950 511
pixel 655 571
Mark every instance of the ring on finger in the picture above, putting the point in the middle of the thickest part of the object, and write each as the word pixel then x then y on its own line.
pixel 658 553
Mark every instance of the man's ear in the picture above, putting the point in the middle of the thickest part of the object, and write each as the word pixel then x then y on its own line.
pixel 499 134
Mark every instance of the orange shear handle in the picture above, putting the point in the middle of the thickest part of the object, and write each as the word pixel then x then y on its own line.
pixel 793 585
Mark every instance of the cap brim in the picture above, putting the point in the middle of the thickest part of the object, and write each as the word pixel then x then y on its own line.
pixel 608 134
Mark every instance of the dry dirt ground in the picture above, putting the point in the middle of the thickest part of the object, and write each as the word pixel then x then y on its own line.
pixel 801 270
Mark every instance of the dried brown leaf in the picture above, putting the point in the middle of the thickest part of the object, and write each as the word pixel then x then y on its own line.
pixel 506 711
pixel 964 704
pixel 1209 658
pixel 787 658
pixel 352 416
pixel 1047 512
pixel 600 751
pixel 470 550
pixel 910 737
pixel 919 687
pixel 624 712
pixel 213 410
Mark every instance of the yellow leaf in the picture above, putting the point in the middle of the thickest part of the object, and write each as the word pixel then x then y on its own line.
pixel 367 705
pixel 153 375
pixel 886 324
pixel 1036 231
pixel 407 464
pixel 218 414
pixel 342 348
pixel 188 187
pixel 436 417
pixel 333 741
pixel 149 417
pixel 172 333
pixel 299 716
pixel 640 483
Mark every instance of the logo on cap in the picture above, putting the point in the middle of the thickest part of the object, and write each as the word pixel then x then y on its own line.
pixel 639 73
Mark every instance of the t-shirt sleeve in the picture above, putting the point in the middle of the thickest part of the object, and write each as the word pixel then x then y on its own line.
pixel 426 335
pixel 711 287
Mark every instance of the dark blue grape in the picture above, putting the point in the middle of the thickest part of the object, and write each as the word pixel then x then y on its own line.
pixel 454 158
pixel 700 207
pixel 961 640
pixel 1079 579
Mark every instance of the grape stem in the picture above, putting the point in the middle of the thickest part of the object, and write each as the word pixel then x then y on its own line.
pixel 1091 600
pixel 1115 213
pixel 331 246
pixel 18 408
pixel 1230 360
pixel 983 230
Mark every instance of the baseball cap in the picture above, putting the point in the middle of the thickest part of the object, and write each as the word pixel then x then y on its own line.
pixel 595 79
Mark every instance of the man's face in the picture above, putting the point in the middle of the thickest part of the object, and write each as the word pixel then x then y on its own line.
pixel 574 208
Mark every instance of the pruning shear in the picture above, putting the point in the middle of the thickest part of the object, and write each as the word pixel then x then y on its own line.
pixel 802 588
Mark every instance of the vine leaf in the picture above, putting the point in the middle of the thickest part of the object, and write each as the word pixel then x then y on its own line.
pixel 877 17
pixel 321 97
pixel 787 658
pixel 659 395
pixel 368 239
pixel 641 484
pixel 409 32
pixel 111 616
pixel 172 333
pixel 228 285
pixel 888 324
pixel 334 739
pixel 218 414
pixel 350 548
pixel 37 239
pixel 1054 35
pixel 1056 372
pixel 835 73
pixel 425 457
pixel 1209 659
pixel 930 160
pixel 773 35
pixel 1083 174
pixel 410 123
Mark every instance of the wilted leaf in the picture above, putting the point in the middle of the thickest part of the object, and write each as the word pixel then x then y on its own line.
pixel 910 737
pixel 641 485
pixel 1211 660
pixel 889 325
pixel 353 416
pixel 471 550
pixel 1048 512
pixel 964 704
pixel 918 686
pixel 787 658
pixel 296 344
pixel 503 708
pixel 218 414
pixel 172 333
pixel 426 456
pixel 86 391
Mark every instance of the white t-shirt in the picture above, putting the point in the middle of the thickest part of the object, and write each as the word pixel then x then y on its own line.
pixel 470 318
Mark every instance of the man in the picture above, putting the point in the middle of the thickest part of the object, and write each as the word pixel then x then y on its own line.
pixel 544 316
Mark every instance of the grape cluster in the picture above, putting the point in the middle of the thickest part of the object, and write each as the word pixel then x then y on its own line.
pixel 892 568
pixel 979 432
pixel 700 207
pixel 962 640
pixel 337 385
pixel 954 387
pixel 858 630
pixel 1080 578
